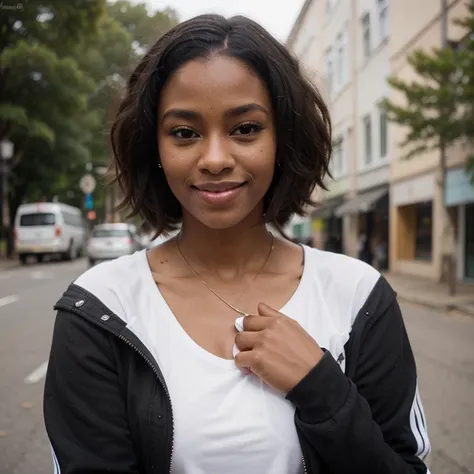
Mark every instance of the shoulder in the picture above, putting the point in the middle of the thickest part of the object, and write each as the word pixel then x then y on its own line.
pixel 344 282
pixel 115 283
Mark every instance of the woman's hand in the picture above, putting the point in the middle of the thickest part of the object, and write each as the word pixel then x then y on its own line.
pixel 276 349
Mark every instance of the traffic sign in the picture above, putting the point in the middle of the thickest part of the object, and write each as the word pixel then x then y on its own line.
pixel 87 183
pixel 89 202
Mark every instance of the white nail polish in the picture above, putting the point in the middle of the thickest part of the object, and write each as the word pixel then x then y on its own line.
pixel 239 324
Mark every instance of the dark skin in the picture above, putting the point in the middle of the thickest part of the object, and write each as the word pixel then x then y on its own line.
pixel 215 124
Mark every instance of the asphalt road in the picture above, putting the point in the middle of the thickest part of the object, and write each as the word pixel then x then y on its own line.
pixel 443 345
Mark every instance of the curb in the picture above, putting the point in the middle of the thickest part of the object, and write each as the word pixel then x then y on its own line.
pixel 444 307
pixel 9 266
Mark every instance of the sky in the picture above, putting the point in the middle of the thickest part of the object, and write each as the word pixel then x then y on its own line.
pixel 277 16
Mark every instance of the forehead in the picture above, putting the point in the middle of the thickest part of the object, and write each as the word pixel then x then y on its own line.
pixel 216 83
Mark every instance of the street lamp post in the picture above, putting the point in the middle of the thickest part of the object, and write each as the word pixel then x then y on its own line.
pixel 6 154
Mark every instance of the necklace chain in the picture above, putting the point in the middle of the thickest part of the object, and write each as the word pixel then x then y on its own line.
pixel 214 292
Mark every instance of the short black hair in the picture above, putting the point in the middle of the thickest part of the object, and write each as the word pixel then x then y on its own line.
pixel 302 123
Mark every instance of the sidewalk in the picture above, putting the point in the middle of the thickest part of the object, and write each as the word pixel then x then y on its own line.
pixel 6 264
pixel 432 294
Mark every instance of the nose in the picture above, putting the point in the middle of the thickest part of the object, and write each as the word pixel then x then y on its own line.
pixel 216 155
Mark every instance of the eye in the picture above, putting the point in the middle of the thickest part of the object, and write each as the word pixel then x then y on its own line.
pixel 183 133
pixel 247 129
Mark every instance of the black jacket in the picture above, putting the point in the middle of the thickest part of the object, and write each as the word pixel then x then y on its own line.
pixel 107 408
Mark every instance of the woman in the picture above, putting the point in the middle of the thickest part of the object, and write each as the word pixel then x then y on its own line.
pixel 227 349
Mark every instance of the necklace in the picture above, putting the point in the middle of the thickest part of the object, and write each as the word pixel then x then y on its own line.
pixel 214 292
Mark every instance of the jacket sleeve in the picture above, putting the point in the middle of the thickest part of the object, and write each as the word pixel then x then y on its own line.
pixel 84 412
pixel 373 424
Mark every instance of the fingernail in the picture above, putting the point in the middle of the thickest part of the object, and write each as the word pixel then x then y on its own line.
pixel 239 324
pixel 245 370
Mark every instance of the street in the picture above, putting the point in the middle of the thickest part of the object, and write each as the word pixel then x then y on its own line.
pixel 442 343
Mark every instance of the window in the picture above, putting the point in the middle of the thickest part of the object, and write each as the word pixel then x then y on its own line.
pixel 341 59
pixel 382 6
pixel 107 233
pixel 366 34
pixel 423 229
pixel 367 130
pixel 73 220
pixel 29 220
pixel 68 218
pixel 337 165
pixel 329 7
pixel 329 72
pixel 383 134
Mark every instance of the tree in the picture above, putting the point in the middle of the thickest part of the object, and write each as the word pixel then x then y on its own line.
pixel 465 50
pixel 126 31
pixel 42 89
pixel 436 107
pixel 61 67
pixel 439 105
pixel 34 41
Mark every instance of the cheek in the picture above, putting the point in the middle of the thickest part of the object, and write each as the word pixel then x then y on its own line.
pixel 173 161
pixel 265 161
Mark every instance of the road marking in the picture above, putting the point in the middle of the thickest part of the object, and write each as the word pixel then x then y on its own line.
pixel 40 275
pixel 37 374
pixel 8 300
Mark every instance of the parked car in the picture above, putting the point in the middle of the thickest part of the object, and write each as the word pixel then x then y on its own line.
pixel 109 241
pixel 49 228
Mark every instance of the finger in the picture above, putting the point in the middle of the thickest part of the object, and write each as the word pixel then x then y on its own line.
pixel 243 361
pixel 268 311
pixel 246 340
pixel 255 323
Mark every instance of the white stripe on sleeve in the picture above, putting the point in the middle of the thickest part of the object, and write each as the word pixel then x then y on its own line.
pixel 418 426
pixel 57 469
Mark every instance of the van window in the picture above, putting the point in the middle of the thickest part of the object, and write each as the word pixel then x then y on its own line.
pixel 72 219
pixel 37 219
pixel 105 233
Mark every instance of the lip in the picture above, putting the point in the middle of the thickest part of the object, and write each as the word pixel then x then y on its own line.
pixel 219 187
pixel 219 193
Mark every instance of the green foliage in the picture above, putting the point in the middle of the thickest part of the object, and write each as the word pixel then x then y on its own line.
pixel 438 107
pixel 62 66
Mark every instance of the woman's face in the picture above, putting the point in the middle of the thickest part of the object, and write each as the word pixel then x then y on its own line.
pixel 216 141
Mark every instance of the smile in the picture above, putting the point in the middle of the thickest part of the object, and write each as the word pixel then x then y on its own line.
pixel 219 193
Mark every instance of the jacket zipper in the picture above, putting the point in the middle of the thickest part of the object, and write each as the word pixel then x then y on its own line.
pixel 305 470
pixel 148 361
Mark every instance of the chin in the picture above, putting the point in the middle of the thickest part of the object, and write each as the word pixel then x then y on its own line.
pixel 220 221
pixel 225 218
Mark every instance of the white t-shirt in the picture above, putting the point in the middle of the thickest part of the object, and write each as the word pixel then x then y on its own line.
pixel 225 421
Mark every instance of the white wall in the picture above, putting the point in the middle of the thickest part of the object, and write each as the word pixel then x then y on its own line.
pixel 372 84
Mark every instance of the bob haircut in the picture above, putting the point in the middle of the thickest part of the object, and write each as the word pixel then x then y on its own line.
pixel 302 123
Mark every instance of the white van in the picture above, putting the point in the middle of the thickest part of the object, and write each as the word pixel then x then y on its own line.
pixel 49 228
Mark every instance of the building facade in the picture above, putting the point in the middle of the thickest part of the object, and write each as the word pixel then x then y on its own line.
pixel 416 197
pixel 349 48
pixel 344 46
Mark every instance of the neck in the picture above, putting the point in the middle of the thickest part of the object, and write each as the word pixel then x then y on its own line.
pixel 226 252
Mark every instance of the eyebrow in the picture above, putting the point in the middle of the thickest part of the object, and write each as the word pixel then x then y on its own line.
pixel 235 112
pixel 243 109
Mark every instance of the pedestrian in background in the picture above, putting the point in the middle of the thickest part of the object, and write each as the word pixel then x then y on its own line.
pixel 227 349
pixel 364 250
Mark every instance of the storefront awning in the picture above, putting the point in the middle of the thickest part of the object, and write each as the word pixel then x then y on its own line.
pixel 326 209
pixel 363 202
